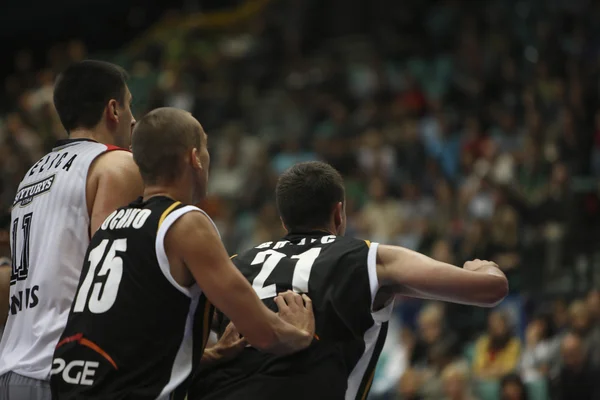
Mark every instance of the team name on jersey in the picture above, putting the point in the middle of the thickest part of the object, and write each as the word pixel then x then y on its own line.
pixel 76 372
pixel 26 194
pixel 278 245
pixel 53 160
pixel 24 299
pixel 126 218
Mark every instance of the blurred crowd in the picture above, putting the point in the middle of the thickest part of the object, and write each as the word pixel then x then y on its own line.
pixel 463 130
pixel 558 356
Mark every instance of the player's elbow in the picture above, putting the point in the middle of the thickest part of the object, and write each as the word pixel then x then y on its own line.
pixel 494 292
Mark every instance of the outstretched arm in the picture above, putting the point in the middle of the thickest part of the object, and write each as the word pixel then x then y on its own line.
pixel 479 283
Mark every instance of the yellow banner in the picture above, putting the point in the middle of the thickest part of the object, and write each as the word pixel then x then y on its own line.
pixel 214 20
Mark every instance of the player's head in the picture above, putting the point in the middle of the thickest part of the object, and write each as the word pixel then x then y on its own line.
pixel 93 95
pixel 311 195
pixel 169 147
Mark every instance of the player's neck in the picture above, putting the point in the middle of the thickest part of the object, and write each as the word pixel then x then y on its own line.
pixel 170 191
pixel 323 229
pixel 93 134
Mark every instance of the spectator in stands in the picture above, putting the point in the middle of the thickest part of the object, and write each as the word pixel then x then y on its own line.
pixel 540 346
pixel 577 378
pixel 381 217
pixel 513 388
pixel 504 247
pixel 560 315
pixel 593 305
pixel 456 382
pixel 432 331
pixel 408 386
pixel 581 324
pixel 440 355
pixel 497 352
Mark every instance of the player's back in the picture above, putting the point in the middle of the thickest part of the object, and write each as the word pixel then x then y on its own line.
pixel 49 236
pixel 131 332
pixel 338 274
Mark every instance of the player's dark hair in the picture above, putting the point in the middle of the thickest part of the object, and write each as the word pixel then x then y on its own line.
pixel 159 141
pixel 307 193
pixel 83 89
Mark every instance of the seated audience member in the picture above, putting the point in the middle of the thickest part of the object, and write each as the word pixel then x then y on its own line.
pixel 560 316
pixel 455 378
pixel 540 346
pixel 432 331
pixel 577 378
pixel 408 386
pixel 497 352
pixel 593 304
pixel 440 356
pixel 581 323
pixel 513 388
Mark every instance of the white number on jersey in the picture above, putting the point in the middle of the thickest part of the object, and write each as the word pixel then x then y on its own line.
pixel 20 267
pixel 103 295
pixel 269 260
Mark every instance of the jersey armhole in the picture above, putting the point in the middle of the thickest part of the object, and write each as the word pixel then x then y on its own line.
pixel 161 255
pixel 112 147
pixel 383 314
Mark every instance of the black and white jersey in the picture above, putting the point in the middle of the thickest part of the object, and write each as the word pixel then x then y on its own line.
pixel 133 332
pixel 339 275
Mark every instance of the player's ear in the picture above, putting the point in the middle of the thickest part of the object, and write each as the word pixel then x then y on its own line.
pixel 338 215
pixel 112 111
pixel 195 159
pixel 283 224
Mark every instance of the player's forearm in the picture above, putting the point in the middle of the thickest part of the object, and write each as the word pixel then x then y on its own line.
pixel 287 339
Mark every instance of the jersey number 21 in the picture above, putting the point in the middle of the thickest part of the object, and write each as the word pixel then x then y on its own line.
pixel 269 260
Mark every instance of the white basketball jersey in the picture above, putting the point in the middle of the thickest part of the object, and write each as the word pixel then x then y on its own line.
pixel 49 236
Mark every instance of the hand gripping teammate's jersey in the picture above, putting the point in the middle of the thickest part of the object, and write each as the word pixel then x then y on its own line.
pixel 133 331
pixel 49 235
pixel 339 275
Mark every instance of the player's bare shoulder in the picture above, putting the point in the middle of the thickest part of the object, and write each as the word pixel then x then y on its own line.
pixel 113 167
pixel 112 162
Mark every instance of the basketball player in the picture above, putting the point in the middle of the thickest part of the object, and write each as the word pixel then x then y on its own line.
pixel 142 312
pixel 61 201
pixel 351 282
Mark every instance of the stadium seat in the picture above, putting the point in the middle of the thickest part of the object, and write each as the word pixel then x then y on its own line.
pixel 537 390
pixel 488 390
pixel 469 352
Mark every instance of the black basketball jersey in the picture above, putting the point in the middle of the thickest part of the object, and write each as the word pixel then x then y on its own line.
pixel 339 275
pixel 133 332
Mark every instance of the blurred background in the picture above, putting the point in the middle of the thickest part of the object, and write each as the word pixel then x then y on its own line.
pixel 463 129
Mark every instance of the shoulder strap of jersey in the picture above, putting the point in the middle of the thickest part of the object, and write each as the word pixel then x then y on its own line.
pixel 167 219
pixel 384 313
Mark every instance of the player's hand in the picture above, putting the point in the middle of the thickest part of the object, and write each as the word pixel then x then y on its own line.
pixel 477 265
pixel 296 310
pixel 230 344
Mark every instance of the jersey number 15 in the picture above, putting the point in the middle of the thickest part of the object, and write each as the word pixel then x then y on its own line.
pixel 103 295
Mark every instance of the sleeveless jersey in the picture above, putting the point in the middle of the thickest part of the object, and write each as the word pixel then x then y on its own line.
pixel 49 236
pixel 339 275
pixel 133 332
